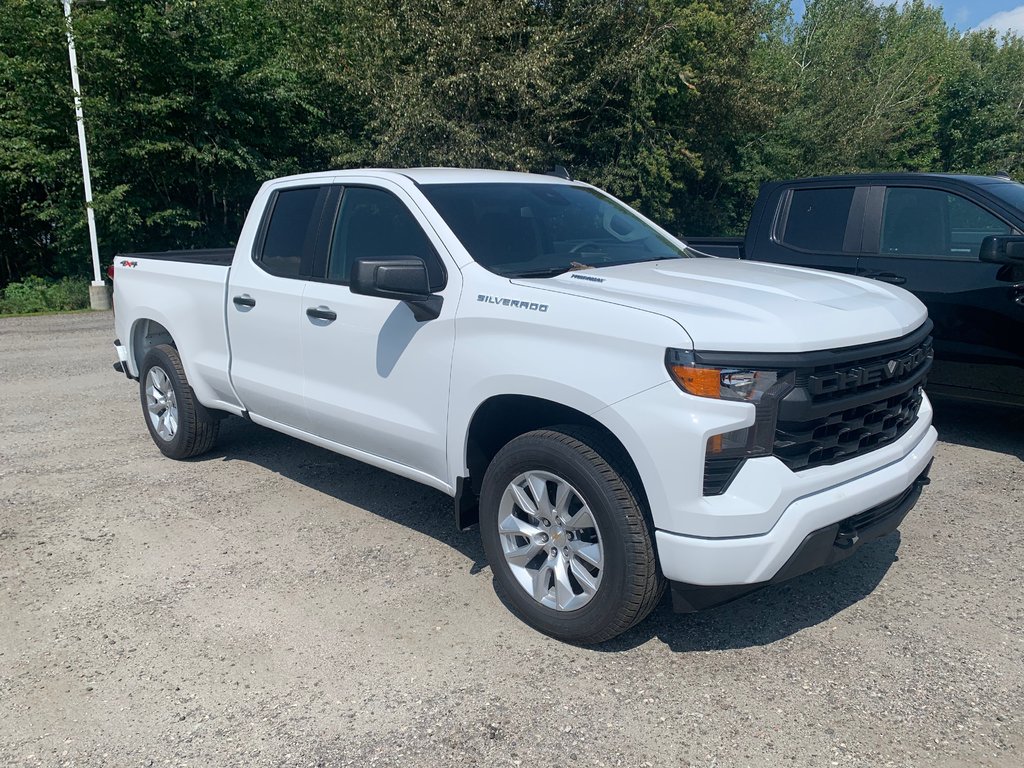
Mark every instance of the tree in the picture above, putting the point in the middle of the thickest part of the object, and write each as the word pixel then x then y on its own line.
pixel 37 145
pixel 681 107
pixel 981 121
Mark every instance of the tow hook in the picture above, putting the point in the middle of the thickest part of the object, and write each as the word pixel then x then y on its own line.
pixel 923 479
pixel 846 538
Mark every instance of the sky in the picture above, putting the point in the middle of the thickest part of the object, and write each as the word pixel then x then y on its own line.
pixel 1003 15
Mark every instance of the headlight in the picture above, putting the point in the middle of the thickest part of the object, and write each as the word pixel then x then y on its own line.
pixel 744 384
pixel 761 388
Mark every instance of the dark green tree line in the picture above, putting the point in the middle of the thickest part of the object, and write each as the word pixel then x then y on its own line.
pixel 682 107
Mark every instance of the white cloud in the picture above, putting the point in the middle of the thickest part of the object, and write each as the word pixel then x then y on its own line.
pixel 1005 21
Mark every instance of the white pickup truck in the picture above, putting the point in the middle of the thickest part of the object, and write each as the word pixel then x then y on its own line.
pixel 617 411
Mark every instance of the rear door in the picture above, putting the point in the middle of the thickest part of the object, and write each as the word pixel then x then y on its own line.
pixel 264 306
pixel 376 380
pixel 927 241
pixel 817 226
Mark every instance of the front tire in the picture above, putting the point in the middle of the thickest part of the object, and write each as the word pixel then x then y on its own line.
pixel 563 527
pixel 179 424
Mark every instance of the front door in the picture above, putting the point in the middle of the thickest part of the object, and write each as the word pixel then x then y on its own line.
pixel 376 380
pixel 928 243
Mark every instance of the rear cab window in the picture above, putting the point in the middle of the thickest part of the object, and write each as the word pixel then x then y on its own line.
pixel 816 219
pixel 285 245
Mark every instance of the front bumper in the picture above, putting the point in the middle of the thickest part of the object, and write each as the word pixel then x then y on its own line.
pixel 754 560
pixel 822 547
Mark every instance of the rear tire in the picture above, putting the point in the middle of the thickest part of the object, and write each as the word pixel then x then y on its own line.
pixel 179 424
pixel 563 526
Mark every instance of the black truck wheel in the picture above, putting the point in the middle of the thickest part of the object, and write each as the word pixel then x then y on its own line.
pixel 180 425
pixel 565 533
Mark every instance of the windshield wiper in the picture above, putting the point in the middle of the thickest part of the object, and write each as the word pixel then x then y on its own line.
pixel 549 272
pixel 573 266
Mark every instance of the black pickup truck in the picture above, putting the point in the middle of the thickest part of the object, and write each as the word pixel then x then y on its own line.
pixel 956 242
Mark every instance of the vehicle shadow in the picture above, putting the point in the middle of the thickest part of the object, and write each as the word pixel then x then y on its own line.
pixel 381 493
pixel 980 425
pixel 758 619
pixel 771 614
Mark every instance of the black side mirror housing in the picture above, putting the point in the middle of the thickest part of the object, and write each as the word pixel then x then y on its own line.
pixel 1002 249
pixel 400 279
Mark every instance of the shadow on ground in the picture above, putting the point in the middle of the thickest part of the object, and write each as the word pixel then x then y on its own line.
pixel 758 619
pixel 384 494
pixel 772 613
pixel 980 425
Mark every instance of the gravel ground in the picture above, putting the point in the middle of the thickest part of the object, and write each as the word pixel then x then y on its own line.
pixel 275 604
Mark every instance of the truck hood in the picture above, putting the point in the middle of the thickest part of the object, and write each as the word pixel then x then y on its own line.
pixel 743 306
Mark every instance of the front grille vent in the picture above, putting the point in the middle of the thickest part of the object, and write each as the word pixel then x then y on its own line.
pixel 846 433
pixel 718 473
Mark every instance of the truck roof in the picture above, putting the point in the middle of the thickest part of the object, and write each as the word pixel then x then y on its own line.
pixel 440 175
pixel 964 178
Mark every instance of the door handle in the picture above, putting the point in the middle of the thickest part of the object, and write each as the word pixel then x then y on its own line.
pixel 886 277
pixel 322 313
pixel 245 300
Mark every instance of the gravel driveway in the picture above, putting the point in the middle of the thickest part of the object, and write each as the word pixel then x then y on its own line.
pixel 276 604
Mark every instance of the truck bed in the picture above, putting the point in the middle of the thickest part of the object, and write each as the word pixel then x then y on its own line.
pixel 186 302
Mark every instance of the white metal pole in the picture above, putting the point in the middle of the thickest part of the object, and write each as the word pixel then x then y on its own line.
pixel 80 119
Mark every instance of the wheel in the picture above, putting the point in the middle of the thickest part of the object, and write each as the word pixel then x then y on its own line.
pixel 565 533
pixel 180 425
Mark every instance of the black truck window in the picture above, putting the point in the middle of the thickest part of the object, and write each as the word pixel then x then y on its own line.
pixel 290 232
pixel 932 222
pixel 817 217
pixel 374 224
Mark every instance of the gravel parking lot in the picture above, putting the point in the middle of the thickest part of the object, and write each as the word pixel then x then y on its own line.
pixel 275 604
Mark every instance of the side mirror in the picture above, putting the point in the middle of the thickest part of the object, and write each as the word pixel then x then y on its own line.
pixel 400 279
pixel 1002 249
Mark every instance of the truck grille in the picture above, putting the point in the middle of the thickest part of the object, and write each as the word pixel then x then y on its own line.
pixel 844 403
pixel 846 408
pixel 847 433
pixel 840 381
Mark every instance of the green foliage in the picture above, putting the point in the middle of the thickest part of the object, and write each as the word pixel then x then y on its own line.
pixel 681 107
pixel 981 116
pixel 863 84
pixel 34 294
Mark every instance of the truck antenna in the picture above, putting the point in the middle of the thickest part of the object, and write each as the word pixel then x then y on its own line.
pixel 560 172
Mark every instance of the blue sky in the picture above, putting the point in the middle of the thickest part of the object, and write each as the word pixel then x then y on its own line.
pixel 964 14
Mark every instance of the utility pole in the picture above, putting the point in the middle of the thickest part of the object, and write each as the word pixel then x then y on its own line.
pixel 98 297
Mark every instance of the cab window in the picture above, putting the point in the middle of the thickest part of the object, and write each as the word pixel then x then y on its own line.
pixel 290 231
pixel 933 222
pixel 817 219
pixel 374 224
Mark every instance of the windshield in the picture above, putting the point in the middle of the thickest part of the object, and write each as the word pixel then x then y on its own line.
pixel 1010 192
pixel 541 230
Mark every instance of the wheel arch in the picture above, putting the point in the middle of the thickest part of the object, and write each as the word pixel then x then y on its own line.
pixel 146 334
pixel 501 418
